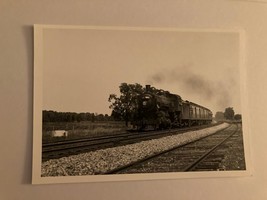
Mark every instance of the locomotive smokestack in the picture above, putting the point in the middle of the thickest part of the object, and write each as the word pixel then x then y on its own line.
pixel 148 88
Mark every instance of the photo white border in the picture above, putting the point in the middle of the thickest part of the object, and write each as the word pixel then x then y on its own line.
pixel 37 113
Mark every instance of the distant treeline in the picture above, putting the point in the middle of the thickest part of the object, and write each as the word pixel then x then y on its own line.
pixel 53 116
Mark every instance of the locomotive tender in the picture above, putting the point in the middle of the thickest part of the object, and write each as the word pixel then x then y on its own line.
pixel 161 109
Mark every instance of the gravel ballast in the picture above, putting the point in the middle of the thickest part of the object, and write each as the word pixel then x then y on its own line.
pixel 101 161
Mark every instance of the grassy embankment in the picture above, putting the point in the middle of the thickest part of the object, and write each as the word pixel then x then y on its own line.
pixel 81 129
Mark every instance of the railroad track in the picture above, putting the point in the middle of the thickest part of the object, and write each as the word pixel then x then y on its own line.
pixel 204 154
pixel 72 147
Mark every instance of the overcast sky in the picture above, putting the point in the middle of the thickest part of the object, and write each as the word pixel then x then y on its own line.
pixel 83 66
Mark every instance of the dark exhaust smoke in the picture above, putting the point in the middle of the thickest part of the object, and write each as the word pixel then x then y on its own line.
pixel 212 91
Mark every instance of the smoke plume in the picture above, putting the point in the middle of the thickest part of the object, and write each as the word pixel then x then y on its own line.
pixel 215 93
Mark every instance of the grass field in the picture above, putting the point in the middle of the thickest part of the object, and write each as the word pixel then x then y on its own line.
pixel 81 129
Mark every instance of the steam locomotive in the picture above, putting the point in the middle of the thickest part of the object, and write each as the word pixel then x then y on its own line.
pixel 159 109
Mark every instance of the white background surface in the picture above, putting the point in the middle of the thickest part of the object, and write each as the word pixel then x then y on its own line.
pixel 16 86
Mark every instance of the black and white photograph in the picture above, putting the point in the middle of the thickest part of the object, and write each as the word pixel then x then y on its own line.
pixel 138 103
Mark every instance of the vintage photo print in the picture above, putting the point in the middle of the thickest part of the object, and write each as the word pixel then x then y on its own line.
pixel 138 103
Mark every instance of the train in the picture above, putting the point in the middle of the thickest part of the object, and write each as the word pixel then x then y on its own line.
pixel 159 109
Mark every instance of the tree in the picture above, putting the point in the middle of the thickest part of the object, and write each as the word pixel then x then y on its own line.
pixel 93 117
pixel 100 117
pixel 229 113
pixel 219 116
pixel 125 106
pixel 237 117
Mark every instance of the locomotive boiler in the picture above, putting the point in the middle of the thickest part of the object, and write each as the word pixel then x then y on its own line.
pixel 159 109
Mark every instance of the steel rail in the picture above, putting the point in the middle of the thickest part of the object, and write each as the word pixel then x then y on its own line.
pixel 199 160
pixel 116 170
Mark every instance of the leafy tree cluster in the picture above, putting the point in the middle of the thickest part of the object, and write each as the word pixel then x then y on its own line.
pixel 228 114
pixel 219 116
pixel 124 106
pixel 237 117
pixel 53 116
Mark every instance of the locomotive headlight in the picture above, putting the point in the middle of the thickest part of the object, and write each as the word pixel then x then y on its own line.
pixel 146 100
pixel 147 97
